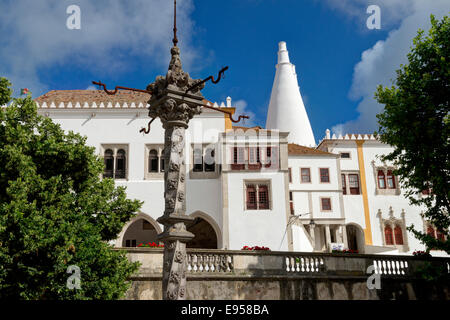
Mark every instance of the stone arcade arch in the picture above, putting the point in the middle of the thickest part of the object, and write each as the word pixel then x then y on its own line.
pixel 207 232
pixel 141 229
pixel 355 237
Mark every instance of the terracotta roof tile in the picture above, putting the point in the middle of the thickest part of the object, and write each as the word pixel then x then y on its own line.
pixel 91 96
pixel 295 149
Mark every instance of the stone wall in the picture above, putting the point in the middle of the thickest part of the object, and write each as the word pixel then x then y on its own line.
pixel 236 275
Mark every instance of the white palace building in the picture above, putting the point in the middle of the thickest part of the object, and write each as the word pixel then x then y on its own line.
pixel 271 187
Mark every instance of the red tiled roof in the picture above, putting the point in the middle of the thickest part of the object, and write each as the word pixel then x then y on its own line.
pixel 91 96
pixel 295 149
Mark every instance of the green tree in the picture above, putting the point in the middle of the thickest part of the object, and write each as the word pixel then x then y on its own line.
pixel 415 121
pixel 56 211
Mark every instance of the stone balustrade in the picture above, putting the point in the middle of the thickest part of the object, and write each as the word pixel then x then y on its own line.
pixel 247 264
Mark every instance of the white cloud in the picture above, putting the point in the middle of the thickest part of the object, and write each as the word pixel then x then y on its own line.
pixel 34 37
pixel 392 11
pixel 379 63
pixel 241 109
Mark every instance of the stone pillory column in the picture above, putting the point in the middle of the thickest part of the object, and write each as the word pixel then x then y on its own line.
pixel 175 108
pixel 175 100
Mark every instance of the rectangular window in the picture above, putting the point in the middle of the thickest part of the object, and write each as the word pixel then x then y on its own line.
pixel 291 203
pixel 238 161
pixel 345 155
pixel 198 159
pixel 324 175
pixel 210 160
pixel 263 197
pixel 254 159
pixel 326 204
pixel 344 185
pixel 290 175
pixel 353 181
pixel 258 197
pixel 251 197
pixel 271 158
pixel 305 175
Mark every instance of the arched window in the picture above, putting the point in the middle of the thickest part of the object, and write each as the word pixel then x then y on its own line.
pixel 388 235
pixel 109 164
pixel 121 164
pixel 430 231
pixel 390 180
pixel 153 161
pixel 398 233
pixel 381 180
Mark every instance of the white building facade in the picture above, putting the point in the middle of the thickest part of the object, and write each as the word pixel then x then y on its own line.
pixel 249 186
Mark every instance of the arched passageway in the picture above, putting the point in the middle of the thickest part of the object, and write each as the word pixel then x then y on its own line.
pixel 205 236
pixel 355 238
pixel 140 231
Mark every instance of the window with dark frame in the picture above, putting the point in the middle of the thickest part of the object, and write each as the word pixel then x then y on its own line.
pixel 210 162
pixel 258 197
pixel 305 175
pixel 398 235
pixel 291 202
pixel 109 164
pixel 353 182
pixel 326 204
pixel 120 164
pixel 254 158
pixel 344 184
pixel 345 155
pixel 388 236
pixel 381 180
pixel 198 160
pixel 324 175
pixel 251 197
pixel 290 175
pixel 390 180
pixel 153 161
pixel 238 154
pixel 271 158
pixel 263 197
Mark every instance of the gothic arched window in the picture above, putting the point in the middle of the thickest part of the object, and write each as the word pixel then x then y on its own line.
pixel 121 164
pixel 388 235
pixel 390 180
pixel 153 161
pixel 398 233
pixel 109 164
pixel 381 180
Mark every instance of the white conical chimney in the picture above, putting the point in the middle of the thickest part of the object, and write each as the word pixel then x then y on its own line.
pixel 286 109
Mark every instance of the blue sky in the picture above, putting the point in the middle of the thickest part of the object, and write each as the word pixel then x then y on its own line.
pixel 339 61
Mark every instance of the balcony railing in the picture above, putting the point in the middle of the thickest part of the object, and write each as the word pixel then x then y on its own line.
pixel 205 263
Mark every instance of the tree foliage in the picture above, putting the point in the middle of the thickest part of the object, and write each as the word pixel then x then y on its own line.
pixel 416 122
pixel 56 211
